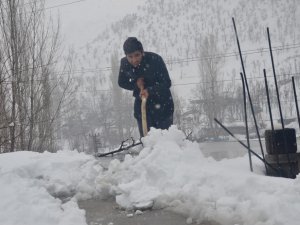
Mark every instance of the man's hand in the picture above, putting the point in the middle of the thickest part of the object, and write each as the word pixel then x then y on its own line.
pixel 140 83
pixel 144 93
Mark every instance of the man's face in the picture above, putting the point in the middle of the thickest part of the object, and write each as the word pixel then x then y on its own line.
pixel 135 58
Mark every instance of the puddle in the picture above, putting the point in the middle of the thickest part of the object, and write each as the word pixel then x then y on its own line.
pixel 106 212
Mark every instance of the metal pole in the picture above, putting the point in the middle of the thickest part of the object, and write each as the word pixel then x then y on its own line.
pixel 249 96
pixel 246 121
pixel 274 73
pixel 296 101
pixel 268 98
pixel 279 104
pixel 249 149
pixel 271 117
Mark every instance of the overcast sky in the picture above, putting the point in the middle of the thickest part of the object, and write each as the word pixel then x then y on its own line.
pixel 82 20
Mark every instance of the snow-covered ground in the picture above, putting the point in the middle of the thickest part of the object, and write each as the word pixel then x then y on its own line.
pixel 170 172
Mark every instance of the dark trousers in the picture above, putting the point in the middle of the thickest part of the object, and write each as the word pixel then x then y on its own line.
pixel 156 123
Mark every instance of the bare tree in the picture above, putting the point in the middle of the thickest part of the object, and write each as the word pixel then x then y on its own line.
pixel 29 44
pixel 209 91
pixel 178 110
pixel 122 104
pixel 116 95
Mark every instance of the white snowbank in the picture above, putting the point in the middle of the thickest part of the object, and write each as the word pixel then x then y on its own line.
pixel 169 172
pixel 172 172
pixel 29 181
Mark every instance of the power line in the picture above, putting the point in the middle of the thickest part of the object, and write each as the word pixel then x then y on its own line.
pixel 54 6
pixel 193 83
pixel 236 79
pixel 109 68
pixel 192 59
pixel 234 54
pixel 174 61
pixel 65 4
pixel 296 75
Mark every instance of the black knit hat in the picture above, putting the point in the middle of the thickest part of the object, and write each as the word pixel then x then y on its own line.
pixel 131 45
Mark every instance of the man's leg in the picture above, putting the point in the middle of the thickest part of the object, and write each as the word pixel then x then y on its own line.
pixel 164 123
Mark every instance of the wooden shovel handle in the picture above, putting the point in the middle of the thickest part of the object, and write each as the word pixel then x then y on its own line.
pixel 144 115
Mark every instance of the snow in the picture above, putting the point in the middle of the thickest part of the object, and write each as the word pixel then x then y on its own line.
pixel 170 172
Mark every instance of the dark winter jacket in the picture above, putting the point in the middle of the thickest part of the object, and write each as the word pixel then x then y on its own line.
pixel 157 81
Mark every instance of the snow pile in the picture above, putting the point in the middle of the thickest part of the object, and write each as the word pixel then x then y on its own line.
pixel 170 172
pixel 30 182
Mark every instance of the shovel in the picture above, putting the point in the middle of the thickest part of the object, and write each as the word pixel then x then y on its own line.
pixel 144 115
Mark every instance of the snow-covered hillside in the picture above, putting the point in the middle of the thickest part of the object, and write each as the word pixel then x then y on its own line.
pixel 176 30
pixel 190 35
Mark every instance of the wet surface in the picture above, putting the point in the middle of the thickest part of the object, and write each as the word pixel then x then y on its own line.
pixel 228 149
pixel 106 212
